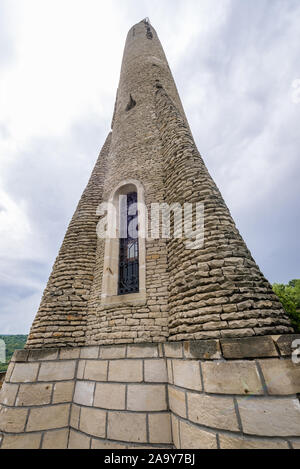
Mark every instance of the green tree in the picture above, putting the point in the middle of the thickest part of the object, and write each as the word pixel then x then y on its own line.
pixel 288 296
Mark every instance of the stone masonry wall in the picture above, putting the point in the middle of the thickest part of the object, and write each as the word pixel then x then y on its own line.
pixel 217 290
pixel 228 393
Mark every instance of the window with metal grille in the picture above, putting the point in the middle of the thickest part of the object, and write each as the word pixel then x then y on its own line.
pixel 129 246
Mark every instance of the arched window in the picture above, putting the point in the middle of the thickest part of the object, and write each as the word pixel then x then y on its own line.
pixel 129 245
pixel 124 267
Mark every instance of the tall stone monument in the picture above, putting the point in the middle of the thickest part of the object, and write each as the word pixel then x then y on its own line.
pixel 149 338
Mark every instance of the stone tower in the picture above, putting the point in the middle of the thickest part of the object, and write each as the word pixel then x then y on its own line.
pixel 153 341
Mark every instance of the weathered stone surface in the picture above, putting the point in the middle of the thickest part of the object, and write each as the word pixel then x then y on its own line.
pixel 175 431
pixel 8 394
pixel 296 444
pixel 195 438
pixel 249 347
pixel 110 396
pixel 12 420
pixel 106 444
pixel 69 353
pixel 57 371
pixel 285 342
pixel 270 417
pixel 186 374
pixel 216 412
pixel 92 421
pixel 160 428
pixel 155 371
pixel 41 355
pixel 63 392
pixel 173 350
pixel 125 371
pixel 113 352
pixel 56 439
pixel 78 440
pixel 34 394
pixel 84 393
pixel 96 370
pixel 75 413
pixel 142 351
pixel 177 401
pixel 20 356
pixel 29 441
pixel 231 442
pixel 282 377
pixel 146 397
pixel 129 427
pixel 89 352
pixel 240 377
pixel 24 372
pixel 46 418
pixel 202 349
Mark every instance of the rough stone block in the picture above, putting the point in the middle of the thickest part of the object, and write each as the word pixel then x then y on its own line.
pixel 57 371
pixel 170 371
pixel 96 370
pixel 84 393
pixel 78 440
pixel 110 396
pixel 93 421
pixel 8 394
pixel 75 413
pixel 29 441
pixel 295 444
pixel 282 377
pixel 56 439
pixel 142 351
pixel 69 353
pixel 146 397
pixel 89 352
pixel 129 427
pixel 63 392
pixel 195 438
pixel 240 377
pixel 284 343
pixel 46 418
pixel 117 351
pixel 160 428
pixel 173 350
pixel 155 371
pixel 231 442
pixel 34 394
pixel 24 372
pixel 202 349
pixel 186 374
pixel 80 369
pixel 177 401
pixel 20 356
pixel 216 412
pixel 249 347
pixel 125 371
pixel 175 431
pixel 12 420
pixel 42 354
pixel 270 417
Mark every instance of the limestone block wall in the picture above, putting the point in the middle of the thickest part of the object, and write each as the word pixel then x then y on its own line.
pixel 228 393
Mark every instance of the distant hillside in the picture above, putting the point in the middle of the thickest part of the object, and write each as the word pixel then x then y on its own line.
pixel 12 343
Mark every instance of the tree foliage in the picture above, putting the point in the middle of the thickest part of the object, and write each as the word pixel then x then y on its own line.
pixel 12 342
pixel 289 295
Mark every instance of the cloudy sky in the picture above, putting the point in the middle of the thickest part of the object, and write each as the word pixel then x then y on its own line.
pixel 236 64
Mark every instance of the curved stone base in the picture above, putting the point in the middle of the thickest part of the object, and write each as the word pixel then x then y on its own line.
pixel 230 393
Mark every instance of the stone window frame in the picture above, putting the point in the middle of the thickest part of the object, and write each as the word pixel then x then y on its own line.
pixel 110 278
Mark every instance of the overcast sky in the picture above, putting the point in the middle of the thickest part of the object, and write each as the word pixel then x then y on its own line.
pixel 235 63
